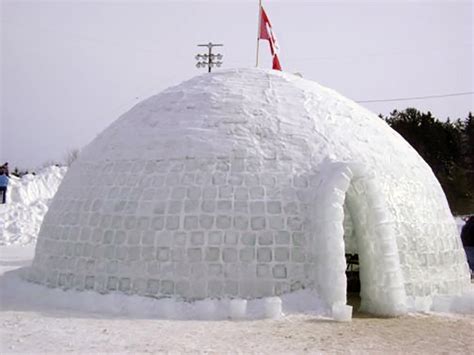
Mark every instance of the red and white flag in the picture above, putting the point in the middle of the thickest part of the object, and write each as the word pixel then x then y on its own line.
pixel 266 32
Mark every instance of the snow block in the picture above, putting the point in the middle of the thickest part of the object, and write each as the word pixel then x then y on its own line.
pixel 237 309
pixel 341 312
pixel 272 307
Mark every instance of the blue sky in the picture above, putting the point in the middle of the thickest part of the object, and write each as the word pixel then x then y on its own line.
pixel 70 68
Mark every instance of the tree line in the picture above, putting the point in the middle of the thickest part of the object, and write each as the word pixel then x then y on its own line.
pixel 447 147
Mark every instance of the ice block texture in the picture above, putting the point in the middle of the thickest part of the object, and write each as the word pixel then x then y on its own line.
pixel 238 184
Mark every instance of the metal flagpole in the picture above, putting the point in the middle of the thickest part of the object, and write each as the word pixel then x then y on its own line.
pixel 258 26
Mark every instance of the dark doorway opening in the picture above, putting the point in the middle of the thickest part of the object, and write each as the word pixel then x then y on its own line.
pixel 352 273
pixel 353 282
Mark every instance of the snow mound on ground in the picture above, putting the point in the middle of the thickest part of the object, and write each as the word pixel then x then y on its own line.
pixel 27 202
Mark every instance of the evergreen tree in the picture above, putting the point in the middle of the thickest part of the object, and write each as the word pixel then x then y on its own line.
pixel 447 147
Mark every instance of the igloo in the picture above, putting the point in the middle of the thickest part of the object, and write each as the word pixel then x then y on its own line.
pixel 249 183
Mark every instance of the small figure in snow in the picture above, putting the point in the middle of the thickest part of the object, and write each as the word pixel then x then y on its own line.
pixel 3 184
pixel 5 169
pixel 467 237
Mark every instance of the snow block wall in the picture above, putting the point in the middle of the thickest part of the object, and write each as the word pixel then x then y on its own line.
pixel 351 190
pixel 243 184
pixel 196 228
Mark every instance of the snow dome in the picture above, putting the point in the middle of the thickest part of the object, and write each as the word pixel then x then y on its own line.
pixel 251 183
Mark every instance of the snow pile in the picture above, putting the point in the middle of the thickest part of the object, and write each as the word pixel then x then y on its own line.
pixel 27 202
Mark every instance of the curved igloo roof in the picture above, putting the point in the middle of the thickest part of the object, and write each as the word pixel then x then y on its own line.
pixel 243 183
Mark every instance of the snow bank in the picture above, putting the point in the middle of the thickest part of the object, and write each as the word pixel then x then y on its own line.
pixel 27 202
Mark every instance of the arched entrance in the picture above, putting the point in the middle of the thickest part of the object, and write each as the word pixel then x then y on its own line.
pixel 382 289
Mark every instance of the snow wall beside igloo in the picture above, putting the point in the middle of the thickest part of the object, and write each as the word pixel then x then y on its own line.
pixel 233 184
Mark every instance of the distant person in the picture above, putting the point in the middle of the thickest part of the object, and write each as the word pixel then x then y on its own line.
pixel 5 169
pixel 467 237
pixel 3 184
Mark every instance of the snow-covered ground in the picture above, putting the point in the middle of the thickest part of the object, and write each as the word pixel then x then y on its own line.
pixel 34 318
